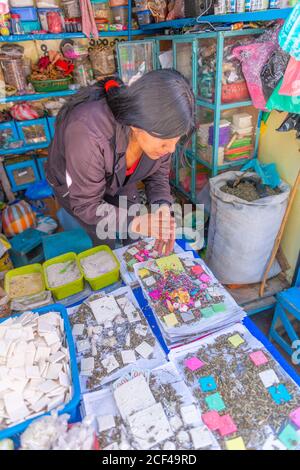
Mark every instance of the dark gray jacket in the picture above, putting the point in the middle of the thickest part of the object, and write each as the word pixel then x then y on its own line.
pixel 87 165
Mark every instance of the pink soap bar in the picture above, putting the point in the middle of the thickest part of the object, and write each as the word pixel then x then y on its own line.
pixel 193 363
pixel 197 269
pixel 205 278
pixel 139 258
pixel 227 425
pixel 155 294
pixel 258 358
pixel 295 417
pixel 211 419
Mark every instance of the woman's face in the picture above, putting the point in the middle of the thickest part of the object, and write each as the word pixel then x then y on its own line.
pixel 154 147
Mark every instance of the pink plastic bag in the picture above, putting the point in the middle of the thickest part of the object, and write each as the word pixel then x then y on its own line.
pixel 253 57
pixel 291 80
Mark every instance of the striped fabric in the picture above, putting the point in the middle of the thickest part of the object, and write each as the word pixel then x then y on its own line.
pixel 17 217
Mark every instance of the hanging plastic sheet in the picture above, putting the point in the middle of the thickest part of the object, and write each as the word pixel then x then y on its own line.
pixel 289 37
pixel 290 104
pixel 291 80
pixel 273 71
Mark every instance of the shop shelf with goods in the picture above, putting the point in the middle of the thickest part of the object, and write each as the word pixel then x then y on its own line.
pixel 223 101
pixel 261 15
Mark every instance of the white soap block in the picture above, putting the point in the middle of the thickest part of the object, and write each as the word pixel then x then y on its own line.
pixel 128 357
pixel 268 378
pixel 242 120
pixel 201 437
pixel 190 414
pixel 144 349
pixel 105 422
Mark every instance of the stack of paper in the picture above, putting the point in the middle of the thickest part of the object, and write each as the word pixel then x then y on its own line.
pixel 186 298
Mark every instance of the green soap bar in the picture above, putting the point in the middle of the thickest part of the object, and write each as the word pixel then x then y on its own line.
pixel 215 402
pixel 131 262
pixel 221 307
pixel 207 312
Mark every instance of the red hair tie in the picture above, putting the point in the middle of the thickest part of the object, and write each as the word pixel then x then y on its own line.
pixel 111 84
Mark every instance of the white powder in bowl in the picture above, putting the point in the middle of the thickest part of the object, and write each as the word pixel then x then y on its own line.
pixel 62 273
pixel 98 264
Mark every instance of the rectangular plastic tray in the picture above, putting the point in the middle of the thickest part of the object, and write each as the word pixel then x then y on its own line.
pixel 106 279
pixel 71 406
pixel 31 268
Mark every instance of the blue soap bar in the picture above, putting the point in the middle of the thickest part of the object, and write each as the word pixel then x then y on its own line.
pixel 280 394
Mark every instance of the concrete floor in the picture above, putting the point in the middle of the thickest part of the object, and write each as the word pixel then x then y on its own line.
pixel 263 322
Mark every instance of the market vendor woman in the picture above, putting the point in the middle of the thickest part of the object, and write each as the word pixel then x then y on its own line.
pixel 108 138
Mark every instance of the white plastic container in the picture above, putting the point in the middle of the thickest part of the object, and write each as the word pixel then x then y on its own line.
pixel 21 3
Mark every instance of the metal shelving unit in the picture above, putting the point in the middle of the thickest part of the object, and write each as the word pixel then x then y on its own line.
pixel 192 48
pixel 50 37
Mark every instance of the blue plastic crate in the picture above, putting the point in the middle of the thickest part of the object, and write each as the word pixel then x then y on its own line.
pixel 41 166
pixel 26 13
pixel 51 124
pixel 72 405
pixel 34 132
pixel 8 130
pixel 22 174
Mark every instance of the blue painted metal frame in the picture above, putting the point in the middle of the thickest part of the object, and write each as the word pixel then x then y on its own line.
pixel 264 15
pixel 40 164
pixel 51 37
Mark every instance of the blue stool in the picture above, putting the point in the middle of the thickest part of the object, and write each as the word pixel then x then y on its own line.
pixel 27 248
pixel 64 242
pixel 287 310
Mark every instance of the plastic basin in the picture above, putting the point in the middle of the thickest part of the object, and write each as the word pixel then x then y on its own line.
pixel 103 280
pixel 70 288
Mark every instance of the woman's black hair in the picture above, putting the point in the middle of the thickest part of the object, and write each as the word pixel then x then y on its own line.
pixel 161 103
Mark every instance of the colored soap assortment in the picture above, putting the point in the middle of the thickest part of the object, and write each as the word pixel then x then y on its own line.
pixel 137 252
pixel 246 399
pixel 186 298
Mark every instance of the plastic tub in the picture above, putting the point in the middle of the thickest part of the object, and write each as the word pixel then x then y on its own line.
pixel 26 13
pixel 71 406
pixel 67 289
pixel 106 279
pixel 120 15
pixel 43 14
pixel 30 269
pixel 144 17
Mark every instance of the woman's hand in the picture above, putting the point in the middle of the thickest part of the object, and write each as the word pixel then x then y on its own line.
pixel 160 225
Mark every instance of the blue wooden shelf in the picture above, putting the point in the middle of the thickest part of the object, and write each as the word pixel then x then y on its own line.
pixel 263 15
pixel 36 96
pixel 49 37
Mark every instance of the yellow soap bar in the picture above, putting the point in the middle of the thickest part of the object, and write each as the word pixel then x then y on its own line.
pixel 235 444
pixel 144 272
pixel 236 340
pixel 170 319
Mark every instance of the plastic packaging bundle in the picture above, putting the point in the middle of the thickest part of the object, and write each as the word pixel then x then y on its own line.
pixel 289 37
pixel 290 104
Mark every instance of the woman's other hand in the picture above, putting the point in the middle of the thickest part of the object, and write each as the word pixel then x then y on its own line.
pixel 159 225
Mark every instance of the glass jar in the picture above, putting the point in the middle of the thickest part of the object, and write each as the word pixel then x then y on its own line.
pixel 16 25
pixel 103 61
pixel 101 11
pixel 83 72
